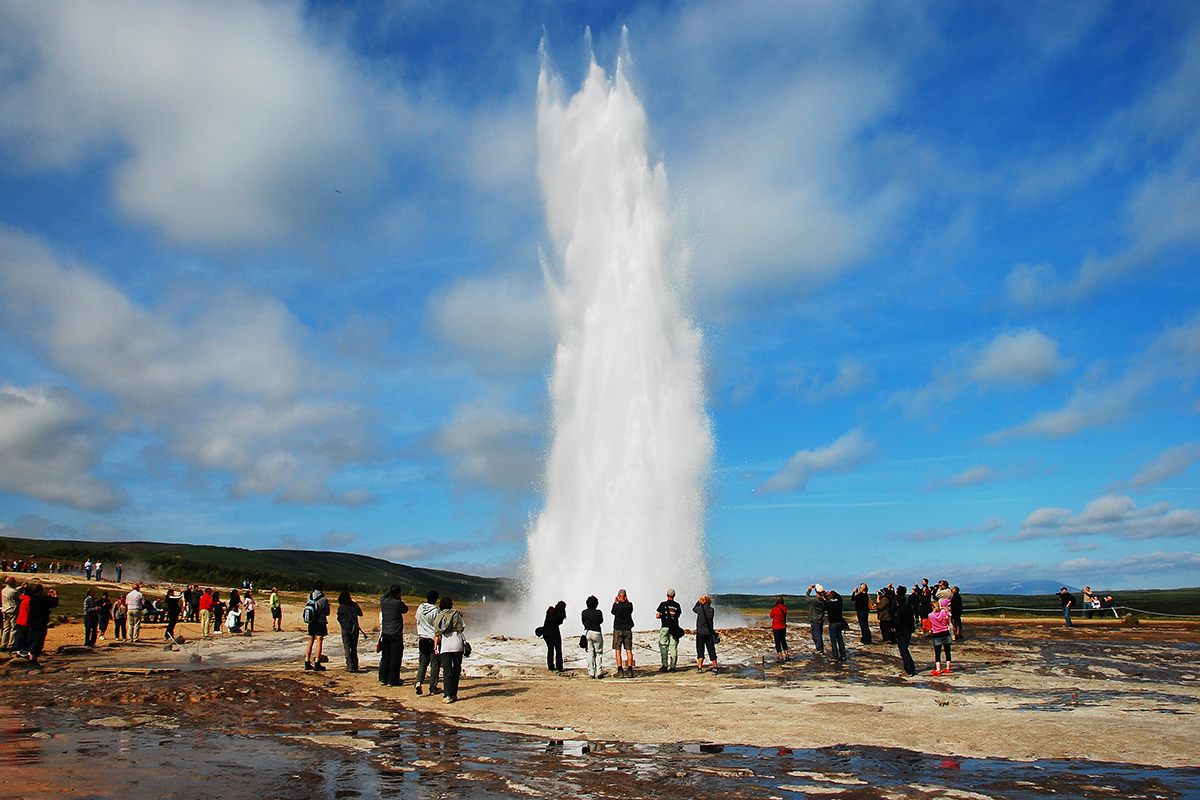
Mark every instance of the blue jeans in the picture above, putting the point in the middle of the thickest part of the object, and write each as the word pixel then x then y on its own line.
pixel 1067 615
pixel 818 640
pixel 836 644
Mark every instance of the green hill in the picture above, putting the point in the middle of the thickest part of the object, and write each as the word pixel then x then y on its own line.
pixel 294 570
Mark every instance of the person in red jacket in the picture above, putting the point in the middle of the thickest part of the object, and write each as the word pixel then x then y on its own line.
pixel 206 613
pixel 779 629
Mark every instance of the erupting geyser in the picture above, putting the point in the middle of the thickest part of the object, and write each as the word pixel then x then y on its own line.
pixel 625 480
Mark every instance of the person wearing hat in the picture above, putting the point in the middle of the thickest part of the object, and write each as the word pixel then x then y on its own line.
pixel 668 646
pixel 816 615
pixel 622 635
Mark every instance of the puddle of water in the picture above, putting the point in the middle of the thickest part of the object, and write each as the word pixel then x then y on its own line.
pixel 52 752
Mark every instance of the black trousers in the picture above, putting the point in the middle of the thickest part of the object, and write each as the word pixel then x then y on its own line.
pixel 903 638
pixel 451 670
pixel 390 654
pixel 554 651
pixel 864 626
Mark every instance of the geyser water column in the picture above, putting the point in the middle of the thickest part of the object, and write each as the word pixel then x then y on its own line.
pixel 626 475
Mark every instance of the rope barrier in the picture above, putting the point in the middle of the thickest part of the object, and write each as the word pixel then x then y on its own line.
pixel 1075 614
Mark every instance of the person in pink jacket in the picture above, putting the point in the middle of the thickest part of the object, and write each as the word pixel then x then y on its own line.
pixel 939 629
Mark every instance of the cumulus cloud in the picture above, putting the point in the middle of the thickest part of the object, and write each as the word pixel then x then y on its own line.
pixel 491 448
pixel 852 450
pixel 228 122
pixel 222 382
pixel 502 322
pixel 1116 515
pixel 1017 358
pixel 50 446
pixel 777 160
pixel 1174 356
pixel 1165 465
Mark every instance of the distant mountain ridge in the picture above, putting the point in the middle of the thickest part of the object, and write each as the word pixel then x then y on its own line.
pixel 229 566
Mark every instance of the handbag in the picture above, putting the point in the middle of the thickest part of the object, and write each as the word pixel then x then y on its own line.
pixel 583 642
pixel 466 649
pixel 716 638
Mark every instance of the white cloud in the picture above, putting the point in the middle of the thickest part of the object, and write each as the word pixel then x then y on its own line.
pixel 49 449
pixel 778 161
pixel 933 534
pixel 852 450
pixel 851 377
pixel 492 448
pixel 1115 515
pixel 1174 356
pixel 978 474
pixel 233 121
pixel 1166 464
pixel 222 381
pixel 1024 357
pixel 502 322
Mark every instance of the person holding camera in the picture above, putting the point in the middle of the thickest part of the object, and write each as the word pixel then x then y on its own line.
pixel 816 615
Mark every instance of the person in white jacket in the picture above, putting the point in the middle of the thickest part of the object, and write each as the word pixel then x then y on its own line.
pixel 427 655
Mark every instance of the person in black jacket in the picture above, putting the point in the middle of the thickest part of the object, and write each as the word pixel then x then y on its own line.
pixel 837 624
pixel 862 608
pixel 556 615
pixel 904 620
pixel 622 635
pixel 391 639
pixel 40 603
pixel 347 616
pixel 705 632
pixel 956 614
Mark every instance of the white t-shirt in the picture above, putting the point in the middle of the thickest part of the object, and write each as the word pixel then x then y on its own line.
pixel 134 600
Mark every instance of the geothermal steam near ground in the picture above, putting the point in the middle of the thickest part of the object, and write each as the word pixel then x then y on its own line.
pixel 626 474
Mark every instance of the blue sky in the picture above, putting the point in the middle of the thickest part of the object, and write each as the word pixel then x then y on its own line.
pixel 269 277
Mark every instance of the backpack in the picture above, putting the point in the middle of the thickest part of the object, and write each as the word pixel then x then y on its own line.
pixel 310 611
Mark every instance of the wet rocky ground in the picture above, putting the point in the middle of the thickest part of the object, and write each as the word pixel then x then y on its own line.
pixel 258 734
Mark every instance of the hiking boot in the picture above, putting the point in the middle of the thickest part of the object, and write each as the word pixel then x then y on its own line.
pixel 318 667
pixel 308 667
pixel 419 692
pixel 663 668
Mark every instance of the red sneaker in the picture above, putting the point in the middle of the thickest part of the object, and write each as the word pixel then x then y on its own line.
pixel 935 672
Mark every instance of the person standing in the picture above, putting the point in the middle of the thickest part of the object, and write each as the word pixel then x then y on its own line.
pixel 668 614
pixel 206 613
pixel 87 568
pixel 40 604
pixel 885 602
pixel 816 615
pixel 99 571
pixel 904 620
pixel 862 609
pixel 706 638
pixel 428 659
pixel 317 611
pixel 105 606
pixel 120 615
pixel 956 605
pixel 1068 600
pixel 8 611
pixel 249 604
pixel 779 629
pixel 347 617
pixel 622 635
pixel 837 625
pixel 91 618
pixel 939 630
pixel 556 615
pixel 592 618
pixel 451 643
pixel 174 604
pixel 276 611
pixel 118 572
pixel 391 640
pixel 134 602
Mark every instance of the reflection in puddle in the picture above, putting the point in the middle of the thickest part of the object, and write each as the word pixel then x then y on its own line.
pixel 419 756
